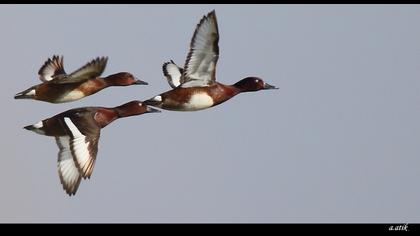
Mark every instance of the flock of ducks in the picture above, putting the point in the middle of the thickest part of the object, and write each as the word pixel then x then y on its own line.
pixel 77 131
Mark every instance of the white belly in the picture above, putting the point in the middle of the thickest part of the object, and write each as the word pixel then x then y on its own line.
pixel 199 101
pixel 72 96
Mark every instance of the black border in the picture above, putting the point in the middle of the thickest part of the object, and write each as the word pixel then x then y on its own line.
pixel 202 228
pixel 205 227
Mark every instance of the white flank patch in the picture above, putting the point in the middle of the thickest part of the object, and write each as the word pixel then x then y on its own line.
pixel 67 169
pixel 79 146
pixel 199 101
pixel 72 96
pixel 157 98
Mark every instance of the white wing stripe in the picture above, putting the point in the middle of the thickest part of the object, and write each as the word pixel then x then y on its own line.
pixel 81 153
pixel 79 146
pixel 69 171
pixel 69 174
pixel 73 129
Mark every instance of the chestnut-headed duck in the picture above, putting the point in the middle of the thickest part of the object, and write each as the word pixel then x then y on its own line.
pixel 60 87
pixel 77 132
pixel 194 86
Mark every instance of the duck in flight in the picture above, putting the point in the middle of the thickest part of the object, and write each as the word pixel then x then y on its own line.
pixel 77 132
pixel 194 87
pixel 58 87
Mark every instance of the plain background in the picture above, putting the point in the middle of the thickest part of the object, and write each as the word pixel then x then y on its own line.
pixel 338 142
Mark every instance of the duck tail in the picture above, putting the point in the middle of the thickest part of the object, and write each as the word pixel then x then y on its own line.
pixel 28 94
pixel 37 128
pixel 155 101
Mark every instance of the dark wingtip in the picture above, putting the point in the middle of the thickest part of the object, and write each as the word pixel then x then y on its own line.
pixel 70 193
pixel 211 14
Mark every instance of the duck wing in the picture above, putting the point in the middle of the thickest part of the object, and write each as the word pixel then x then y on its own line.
pixel 172 73
pixel 53 67
pixel 200 65
pixel 84 137
pixel 91 70
pixel 67 169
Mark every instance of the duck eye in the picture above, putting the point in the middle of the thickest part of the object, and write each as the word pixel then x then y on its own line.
pixel 140 104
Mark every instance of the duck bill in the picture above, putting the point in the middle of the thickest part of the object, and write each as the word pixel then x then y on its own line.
pixel 140 82
pixel 152 110
pixel 269 86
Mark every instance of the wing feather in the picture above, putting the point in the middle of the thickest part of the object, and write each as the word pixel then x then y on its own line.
pixel 200 65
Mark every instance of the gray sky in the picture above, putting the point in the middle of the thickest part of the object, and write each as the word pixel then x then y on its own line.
pixel 339 142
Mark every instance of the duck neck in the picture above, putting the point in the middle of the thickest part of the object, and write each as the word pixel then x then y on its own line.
pixel 104 116
pixel 100 83
pixel 240 87
pixel 112 80
pixel 128 109
pixel 232 90
pixel 223 92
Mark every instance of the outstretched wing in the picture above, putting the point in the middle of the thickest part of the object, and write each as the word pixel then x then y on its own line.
pixel 83 146
pixel 91 70
pixel 52 67
pixel 67 170
pixel 200 66
pixel 172 73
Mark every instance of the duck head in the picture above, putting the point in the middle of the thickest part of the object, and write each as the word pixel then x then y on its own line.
pixel 251 84
pixel 124 79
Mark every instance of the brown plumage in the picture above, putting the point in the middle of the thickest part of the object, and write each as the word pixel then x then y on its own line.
pixel 197 88
pixel 59 87
pixel 77 133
